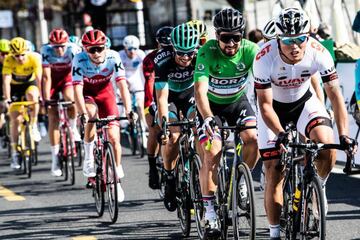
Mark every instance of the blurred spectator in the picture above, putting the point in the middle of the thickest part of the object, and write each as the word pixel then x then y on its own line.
pixel 96 9
pixel 255 35
pixel 324 31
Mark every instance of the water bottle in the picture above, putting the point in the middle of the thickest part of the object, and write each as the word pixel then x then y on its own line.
pixel 297 196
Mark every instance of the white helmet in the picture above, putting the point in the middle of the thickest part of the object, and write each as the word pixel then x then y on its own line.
pixel 131 41
pixel 268 31
pixel 292 21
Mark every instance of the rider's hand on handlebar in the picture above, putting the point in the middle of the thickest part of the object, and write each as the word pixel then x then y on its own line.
pixel 350 145
pixel 209 126
pixel 84 118
pixel 4 105
pixel 282 141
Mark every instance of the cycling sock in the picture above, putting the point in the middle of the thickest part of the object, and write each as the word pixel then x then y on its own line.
pixel 274 230
pixel 152 161
pixel 209 203
pixel 33 121
pixel 13 148
pixel 89 149
pixel 54 152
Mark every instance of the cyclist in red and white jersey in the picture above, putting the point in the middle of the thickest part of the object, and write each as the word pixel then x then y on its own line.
pixel 163 40
pixel 92 72
pixel 56 63
pixel 282 71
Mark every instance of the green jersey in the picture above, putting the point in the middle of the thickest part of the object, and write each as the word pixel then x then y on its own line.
pixel 227 76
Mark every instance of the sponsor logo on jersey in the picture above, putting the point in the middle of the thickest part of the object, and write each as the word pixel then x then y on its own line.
pixel 241 66
pixel 97 79
pixel 180 75
pixel 227 81
pixel 201 67
pixel 290 82
pixel 263 52
pixel 162 55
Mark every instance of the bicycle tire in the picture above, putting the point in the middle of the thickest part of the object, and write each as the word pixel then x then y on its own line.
pixel 132 138
pixel 286 219
pixel 140 139
pixel 222 207
pixel 79 152
pixel 35 158
pixel 70 156
pixel 183 199
pixel 313 224
pixel 160 170
pixel 64 159
pixel 243 209
pixel 111 183
pixel 196 195
pixel 98 187
pixel 28 151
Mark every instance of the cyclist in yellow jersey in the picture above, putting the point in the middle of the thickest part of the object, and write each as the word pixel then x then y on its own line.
pixel 22 73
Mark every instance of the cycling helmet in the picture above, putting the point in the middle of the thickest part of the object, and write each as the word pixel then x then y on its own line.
pixel 93 38
pixel 163 35
pixel 229 20
pixel 108 43
pixel 292 21
pixel 184 38
pixel 269 31
pixel 4 45
pixel 74 39
pixel 199 26
pixel 58 36
pixel 131 41
pixel 18 45
pixel 30 46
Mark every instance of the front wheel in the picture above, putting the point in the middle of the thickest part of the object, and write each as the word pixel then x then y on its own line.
pixel 29 151
pixel 111 183
pixel 243 204
pixel 196 196
pixel 70 157
pixel 98 187
pixel 313 220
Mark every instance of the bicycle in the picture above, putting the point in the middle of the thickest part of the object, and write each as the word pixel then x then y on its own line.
pixel 68 150
pixel 182 171
pixel 303 211
pixel 235 194
pixel 5 136
pixel 135 130
pixel 106 179
pixel 26 145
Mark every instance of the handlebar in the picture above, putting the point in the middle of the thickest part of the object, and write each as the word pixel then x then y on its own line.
pixel 58 102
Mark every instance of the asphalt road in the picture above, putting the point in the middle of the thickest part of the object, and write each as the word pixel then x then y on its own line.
pixel 45 207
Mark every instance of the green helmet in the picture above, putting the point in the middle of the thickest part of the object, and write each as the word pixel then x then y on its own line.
pixel 184 38
pixel 4 45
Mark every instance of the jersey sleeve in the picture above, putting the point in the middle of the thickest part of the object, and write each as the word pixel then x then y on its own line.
pixel 6 70
pixel 76 70
pixel 326 66
pixel 44 56
pixel 262 68
pixel 201 73
pixel 37 65
pixel 161 80
pixel 119 70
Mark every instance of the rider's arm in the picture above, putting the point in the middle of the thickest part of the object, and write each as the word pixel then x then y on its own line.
pixel 79 98
pixel 267 111
pixel 125 95
pixel 47 82
pixel 201 98
pixel 333 92
pixel 38 74
pixel 162 103
pixel 77 77
pixel 315 83
pixel 6 86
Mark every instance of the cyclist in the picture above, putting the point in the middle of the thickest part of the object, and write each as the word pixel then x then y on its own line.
pixel 221 71
pixel 163 40
pixel 56 62
pixel 201 29
pixel 21 79
pixel 175 93
pixel 282 71
pixel 132 58
pixel 92 71
pixel 4 51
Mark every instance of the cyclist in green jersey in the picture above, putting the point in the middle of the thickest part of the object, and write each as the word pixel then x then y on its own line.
pixel 221 71
pixel 175 93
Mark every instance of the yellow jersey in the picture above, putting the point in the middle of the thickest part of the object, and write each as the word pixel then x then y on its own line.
pixel 22 73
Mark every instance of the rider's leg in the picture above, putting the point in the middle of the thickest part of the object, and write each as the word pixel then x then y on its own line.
pixel 89 141
pixel 54 137
pixel 250 147
pixel 15 119
pixel 68 93
pixel 152 151
pixel 114 138
pixel 32 94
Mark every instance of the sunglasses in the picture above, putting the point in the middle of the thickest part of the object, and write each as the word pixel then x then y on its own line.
pixel 294 40
pixel 58 46
pixel 227 38
pixel 93 50
pixel 132 49
pixel 19 55
pixel 183 54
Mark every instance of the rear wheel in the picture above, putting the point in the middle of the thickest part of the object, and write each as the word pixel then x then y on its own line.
pixel 79 152
pixel 111 183
pixel 196 195
pixel 313 220
pixel 29 151
pixel 243 204
pixel 70 156
pixel 286 219
pixel 160 170
pixel 140 138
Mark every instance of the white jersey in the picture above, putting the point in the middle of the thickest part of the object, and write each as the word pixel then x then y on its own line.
pixel 289 82
pixel 133 70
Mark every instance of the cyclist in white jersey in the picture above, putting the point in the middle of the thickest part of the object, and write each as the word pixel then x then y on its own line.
pixel 132 58
pixel 282 71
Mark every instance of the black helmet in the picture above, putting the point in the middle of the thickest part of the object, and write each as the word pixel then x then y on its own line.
pixel 163 35
pixel 229 20
pixel 292 21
